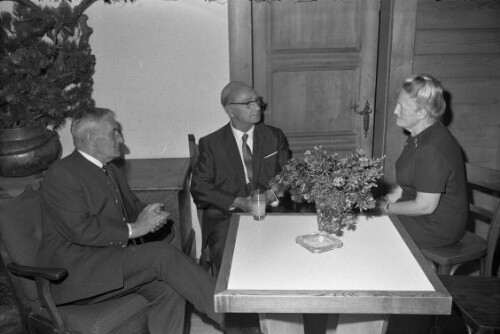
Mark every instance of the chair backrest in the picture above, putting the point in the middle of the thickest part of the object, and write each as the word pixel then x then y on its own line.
pixel 193 154
pixel 20 235
pixel 484 185
pixel 193 150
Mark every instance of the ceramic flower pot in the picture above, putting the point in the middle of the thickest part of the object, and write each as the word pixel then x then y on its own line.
pixel 27 151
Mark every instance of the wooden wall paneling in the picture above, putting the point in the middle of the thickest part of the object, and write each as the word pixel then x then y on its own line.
pixel 480 143
pixel 453 14
pixel 458 65
pixel 459 43
pixel 474 101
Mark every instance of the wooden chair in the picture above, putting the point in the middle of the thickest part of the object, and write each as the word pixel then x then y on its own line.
pixel 477 299
pixel 472 247
pixel 20 233
pixel 205 257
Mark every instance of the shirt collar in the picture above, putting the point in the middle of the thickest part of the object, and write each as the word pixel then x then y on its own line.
pixel 239 134
pixel 91 159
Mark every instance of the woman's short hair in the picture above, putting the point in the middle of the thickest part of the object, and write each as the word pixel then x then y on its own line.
pixel 87 118
pixel 427 93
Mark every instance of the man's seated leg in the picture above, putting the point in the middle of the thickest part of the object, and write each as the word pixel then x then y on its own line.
pixel 215 227
pixel 216 242
pixel 166 308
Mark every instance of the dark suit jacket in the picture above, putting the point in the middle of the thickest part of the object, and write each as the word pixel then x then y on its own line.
pixel 219 175
pixel 83 227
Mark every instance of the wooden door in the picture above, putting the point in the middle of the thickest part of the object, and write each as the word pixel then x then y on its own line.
pixel 312 61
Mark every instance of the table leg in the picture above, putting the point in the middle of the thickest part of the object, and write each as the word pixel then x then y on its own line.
pixel 279 323
pixel 357 323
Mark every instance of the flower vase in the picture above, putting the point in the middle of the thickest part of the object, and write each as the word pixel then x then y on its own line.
pixel 328 222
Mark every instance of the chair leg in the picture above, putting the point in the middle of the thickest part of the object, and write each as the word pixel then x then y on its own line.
pixel 444 270
pixel 433 265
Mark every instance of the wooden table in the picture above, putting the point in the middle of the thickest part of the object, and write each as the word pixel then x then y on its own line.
pixel 379 271
pixel 163 180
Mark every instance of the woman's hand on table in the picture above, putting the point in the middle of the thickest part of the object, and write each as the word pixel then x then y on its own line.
pixel 393 195
pixel 382 207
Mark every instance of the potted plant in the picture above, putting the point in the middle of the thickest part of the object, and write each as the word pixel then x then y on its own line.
pixel 46 69
pixel 337 186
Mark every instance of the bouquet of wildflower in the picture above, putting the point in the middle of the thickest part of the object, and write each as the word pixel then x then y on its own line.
pixel 336 185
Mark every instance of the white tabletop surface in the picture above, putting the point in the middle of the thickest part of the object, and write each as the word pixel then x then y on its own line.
pixel 374 257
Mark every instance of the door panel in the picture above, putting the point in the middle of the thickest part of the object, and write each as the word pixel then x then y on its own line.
pixel 312 62
pixel 311 100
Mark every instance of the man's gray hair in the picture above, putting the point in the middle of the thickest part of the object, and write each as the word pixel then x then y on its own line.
pixel 86 119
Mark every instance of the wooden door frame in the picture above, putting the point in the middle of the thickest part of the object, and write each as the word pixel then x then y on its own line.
pixel 240 41
pixel 395 63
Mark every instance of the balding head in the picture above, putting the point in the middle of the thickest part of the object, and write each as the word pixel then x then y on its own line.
pixel 231 91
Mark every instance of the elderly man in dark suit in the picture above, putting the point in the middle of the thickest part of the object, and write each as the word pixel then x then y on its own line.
pixel 89 217
pixel 242 155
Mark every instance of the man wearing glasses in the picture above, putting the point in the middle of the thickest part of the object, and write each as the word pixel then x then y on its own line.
pixel 238 158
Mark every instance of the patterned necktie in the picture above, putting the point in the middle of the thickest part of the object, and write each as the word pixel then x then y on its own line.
pixel 112 182
pixel 247 157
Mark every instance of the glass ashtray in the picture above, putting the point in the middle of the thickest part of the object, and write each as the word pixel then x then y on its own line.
pixel 318 242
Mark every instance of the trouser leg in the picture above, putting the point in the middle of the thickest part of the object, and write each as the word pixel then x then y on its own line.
pixel 215 231
pixel 216 243
pixel 166 308
pixel 160 261
pixel 167 264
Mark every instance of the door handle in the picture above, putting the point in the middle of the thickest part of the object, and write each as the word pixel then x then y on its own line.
pixel 367 110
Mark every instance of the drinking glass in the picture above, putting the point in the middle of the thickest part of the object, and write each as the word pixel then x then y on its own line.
pixel 259 204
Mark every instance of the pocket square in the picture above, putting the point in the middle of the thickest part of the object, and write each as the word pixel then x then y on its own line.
pixel 270 155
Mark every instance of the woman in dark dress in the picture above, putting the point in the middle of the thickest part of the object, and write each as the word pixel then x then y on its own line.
pixel 430 199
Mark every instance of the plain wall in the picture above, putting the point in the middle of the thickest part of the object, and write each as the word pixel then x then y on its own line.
pixel 160 66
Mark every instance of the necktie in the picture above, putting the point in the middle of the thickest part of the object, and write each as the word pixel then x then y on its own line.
pixel 247 158
pixel 112 182
pixel 119 199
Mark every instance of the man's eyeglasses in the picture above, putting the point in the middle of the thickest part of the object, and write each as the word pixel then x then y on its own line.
pixel 252 105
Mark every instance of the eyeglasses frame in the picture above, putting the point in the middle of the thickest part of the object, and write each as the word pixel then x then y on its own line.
pixel 259 102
